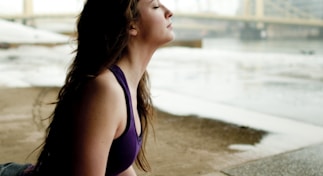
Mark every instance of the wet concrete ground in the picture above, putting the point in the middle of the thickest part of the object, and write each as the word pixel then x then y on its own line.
pixel 303 162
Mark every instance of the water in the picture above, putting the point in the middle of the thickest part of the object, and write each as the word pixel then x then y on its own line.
pixel 283 78
pixel 287 46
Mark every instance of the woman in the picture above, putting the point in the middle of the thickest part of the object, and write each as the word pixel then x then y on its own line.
pixel 99 125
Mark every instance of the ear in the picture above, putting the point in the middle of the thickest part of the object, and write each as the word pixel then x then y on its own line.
pixel 133 30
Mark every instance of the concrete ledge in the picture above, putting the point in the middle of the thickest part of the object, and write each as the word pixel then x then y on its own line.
pixel 5 45
pixel 194 43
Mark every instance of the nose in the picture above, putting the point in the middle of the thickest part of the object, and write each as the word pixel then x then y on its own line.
pixel 168 13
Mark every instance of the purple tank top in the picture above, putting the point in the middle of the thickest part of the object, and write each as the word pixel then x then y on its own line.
pixel 125 148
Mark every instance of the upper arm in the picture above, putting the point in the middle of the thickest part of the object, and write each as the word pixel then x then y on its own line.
pixel 97 119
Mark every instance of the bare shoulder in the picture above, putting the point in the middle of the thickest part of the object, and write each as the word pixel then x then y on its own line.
pixel 105 83
pixel 102 106
pixel 102 97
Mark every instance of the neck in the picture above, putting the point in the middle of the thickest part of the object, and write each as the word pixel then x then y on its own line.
pixel 135 63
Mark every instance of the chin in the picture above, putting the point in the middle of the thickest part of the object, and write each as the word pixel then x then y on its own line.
pixel 170 38
pixel 166 39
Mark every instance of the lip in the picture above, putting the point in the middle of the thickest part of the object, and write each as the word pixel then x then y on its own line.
pixel 170 26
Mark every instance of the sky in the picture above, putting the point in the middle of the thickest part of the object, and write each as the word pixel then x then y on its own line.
pixel 41 6
pixel 225 7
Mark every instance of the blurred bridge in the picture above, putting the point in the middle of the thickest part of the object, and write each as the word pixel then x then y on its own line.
pixel 255 15
pixel 265 11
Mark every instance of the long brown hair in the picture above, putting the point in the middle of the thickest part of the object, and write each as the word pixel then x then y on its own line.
pixel 102 38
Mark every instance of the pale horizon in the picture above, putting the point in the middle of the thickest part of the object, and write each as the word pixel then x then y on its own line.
pixel 224 7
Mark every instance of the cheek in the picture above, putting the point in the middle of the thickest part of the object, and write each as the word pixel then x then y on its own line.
pixel 146 27
pixel 153 25
pixel 151 19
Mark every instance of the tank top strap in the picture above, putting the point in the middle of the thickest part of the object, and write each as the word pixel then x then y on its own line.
pixel 118 73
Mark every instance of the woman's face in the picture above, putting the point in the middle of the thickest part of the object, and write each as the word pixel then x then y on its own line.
pixel 154 25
